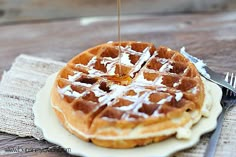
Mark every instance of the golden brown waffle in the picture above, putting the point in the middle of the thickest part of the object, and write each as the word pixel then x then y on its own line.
pixel 159 94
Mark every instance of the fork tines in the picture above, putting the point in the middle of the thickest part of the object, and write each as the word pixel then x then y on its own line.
pixel 232 82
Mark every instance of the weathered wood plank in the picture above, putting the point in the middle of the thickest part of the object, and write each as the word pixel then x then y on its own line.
pixel 11 145
pixel 211 37
pixel 201 34
pixel 25 10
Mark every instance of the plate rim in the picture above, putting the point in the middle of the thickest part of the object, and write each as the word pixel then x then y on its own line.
pixel 40 123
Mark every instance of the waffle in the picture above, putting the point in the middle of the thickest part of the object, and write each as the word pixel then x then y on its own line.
pixel 159 94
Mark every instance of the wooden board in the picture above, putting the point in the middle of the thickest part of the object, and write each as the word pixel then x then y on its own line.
pixel 28 10
pixel 211 37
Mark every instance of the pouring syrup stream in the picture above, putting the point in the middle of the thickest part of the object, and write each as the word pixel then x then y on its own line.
pixel 121 78
pixel 119 37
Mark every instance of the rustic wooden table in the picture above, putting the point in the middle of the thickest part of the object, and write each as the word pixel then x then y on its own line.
pixel 211 37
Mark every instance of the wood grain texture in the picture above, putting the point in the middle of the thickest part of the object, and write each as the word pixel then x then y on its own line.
pixel 211 37
pixel 28 10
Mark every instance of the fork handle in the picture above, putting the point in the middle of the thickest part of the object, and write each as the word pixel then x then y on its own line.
pixel 212 144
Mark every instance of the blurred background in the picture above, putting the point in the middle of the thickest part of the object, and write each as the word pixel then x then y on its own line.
pixel 18 11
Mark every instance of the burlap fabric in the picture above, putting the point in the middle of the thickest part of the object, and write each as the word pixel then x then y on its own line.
pixel 18 89
pixel 27 75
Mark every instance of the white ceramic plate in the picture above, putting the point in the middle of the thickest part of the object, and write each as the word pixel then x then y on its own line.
pixel 54 132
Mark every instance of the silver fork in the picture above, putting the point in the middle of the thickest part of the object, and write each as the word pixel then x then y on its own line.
pixel 228 100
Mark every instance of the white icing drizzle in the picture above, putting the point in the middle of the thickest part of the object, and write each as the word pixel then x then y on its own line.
pixel 64 89
pixel 95 73
pixel 107 60
pixel 193 90
pixel 112 71
pixel 141 80
pixel 109 63
pixel 128 49
pixel 178 95
pixel 138 105
pixel 97 91
pixel 142 114
pixel 68 92
pixel 186 70
pixel 156 113
pixel 176 84
pixel 117 91
pixel 127 117
pixel 158 81
pixel 145 56
pixel 182 132
pixel 165 100
pixel 166 67
pixel 81 84
pixel 74 77
pixel 102 98
pixel 131 98
pixel 125 59
pixel 163 60
pixel 92 72
pixel 134 106
pixel 161 89
pixel 111 68
pixel 92 61
pixel 125 108
pixel 73 94
pixel 109 119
